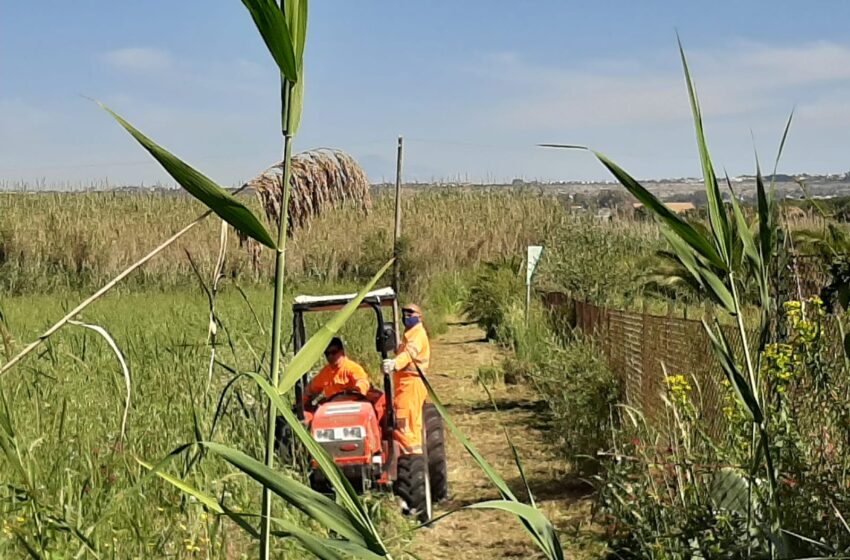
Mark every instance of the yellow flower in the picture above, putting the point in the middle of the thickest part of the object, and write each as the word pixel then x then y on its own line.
pixel 778 363
pixel 678 387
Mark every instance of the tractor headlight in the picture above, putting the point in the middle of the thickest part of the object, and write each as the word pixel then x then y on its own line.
pixel 354 432
pixel 324 435
pixel 351 433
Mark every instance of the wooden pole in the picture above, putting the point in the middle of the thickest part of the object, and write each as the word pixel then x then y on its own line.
pixel 397 234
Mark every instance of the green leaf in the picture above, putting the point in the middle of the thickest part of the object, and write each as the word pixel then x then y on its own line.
pixel 208 501
pixel 271 24
pixel 346 495
pixel 683 253
pixel 520 468
pixel 296 107
pixel 766 222
pixel 704 276
pixel 780 150
pixel 321 548
pixel 322 509
pixel 680 227
pixel 326 549
pixel 314 349
pixel 353 550
pixel 545 536
pixel 743 392
pixel 296 20
pixel 201 187
pixel 565 146
pixel 718 289
pixel 743 229
pixel 716 210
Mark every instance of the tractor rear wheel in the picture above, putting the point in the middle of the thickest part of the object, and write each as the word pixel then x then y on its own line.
pixel 435 441
pixel 411 485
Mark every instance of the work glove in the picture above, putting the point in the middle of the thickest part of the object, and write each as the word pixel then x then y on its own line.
pixel 388 367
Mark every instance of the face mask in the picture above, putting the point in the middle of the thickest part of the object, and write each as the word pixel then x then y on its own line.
pixel 410 322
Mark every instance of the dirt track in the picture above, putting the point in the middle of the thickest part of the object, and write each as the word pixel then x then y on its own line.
pixel 457 355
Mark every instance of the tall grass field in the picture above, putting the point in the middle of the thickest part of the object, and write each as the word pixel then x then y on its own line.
pixel 73 483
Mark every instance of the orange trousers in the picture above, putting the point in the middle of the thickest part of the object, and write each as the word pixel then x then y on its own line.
pixel 408 398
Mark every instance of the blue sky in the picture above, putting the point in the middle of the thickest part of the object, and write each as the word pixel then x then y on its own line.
pixel 471 84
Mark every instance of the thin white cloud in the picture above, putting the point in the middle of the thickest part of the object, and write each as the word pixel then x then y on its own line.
pixel 807 64
pixel 736 80
pixel 138 59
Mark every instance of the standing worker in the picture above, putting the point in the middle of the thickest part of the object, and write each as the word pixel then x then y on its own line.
pixel 409 391
pixel 411 484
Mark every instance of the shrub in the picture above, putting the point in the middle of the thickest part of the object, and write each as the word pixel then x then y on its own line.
pixel 580 390
pixel 496 289
pixel 600 262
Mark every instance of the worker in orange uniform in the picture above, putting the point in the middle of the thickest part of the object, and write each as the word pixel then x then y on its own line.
pixel 341 374
pixel 409 391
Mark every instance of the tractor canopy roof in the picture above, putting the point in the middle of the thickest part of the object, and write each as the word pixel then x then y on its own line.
pixel 383 297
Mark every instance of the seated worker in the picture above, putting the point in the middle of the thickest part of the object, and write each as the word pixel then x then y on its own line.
pixel 340 374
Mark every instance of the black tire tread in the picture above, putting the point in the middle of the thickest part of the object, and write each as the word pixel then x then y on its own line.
pixel 436 445
pixel 410 485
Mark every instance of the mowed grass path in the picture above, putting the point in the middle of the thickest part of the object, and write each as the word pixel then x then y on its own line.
pixel 566 500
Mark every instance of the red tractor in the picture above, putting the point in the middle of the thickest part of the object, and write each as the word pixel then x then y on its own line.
pixel 357 431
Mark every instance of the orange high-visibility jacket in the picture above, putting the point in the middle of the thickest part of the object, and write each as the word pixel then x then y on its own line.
pixel 415 347
pixel 347 375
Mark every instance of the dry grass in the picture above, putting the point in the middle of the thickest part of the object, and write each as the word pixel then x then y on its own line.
pixel 54 242
pixel 321 180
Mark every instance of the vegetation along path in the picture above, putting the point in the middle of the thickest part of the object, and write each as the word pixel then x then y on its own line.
pixel 565 500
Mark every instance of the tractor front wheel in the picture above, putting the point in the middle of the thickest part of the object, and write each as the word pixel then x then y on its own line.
pixel 412 486
pixel 435 442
